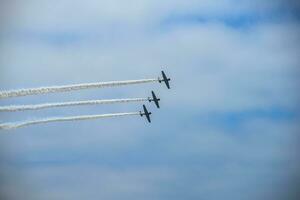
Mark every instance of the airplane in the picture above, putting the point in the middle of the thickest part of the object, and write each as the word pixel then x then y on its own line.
pixel 165 79
pixel 146 113
pixel 155 99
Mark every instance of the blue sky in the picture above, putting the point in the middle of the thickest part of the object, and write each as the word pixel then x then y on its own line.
pixel 228 129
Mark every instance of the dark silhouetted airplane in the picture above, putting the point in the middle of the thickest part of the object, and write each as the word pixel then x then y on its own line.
pixel 146 113
pixel 155 99
pixel 165 79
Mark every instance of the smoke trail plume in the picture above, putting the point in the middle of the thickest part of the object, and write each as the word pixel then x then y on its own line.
pixel 15 125
pixel 68 88
pixel 14 108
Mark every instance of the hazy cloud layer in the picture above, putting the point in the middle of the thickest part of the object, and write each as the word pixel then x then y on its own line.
pixel 227 129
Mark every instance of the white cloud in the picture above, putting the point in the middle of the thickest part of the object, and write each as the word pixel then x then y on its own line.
pixel 69 15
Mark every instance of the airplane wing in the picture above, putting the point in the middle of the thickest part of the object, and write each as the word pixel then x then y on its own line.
pixel 148 118
pixel 156 103
pixel 164 75
pixel 167 83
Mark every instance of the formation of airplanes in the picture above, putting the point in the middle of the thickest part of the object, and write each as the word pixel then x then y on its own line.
pixel 154 98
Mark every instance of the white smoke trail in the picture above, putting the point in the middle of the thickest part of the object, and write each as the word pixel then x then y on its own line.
pixel 15 108
pixel 68 88
pixel 15 125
